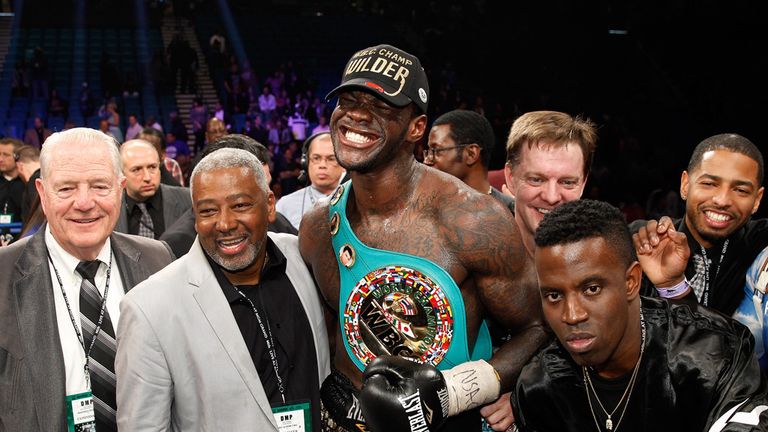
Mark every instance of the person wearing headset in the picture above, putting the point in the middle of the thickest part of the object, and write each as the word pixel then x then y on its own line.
pixel 319 167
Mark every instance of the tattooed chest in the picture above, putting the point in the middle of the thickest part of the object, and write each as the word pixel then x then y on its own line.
pixel 416 238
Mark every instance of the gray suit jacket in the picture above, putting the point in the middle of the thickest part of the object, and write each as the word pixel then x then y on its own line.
pixel 182 363
pixel 32 377
pixel 176 200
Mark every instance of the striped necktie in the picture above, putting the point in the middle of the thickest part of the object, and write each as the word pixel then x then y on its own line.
pixel 102 356
pixel 699 280
pixel 146 227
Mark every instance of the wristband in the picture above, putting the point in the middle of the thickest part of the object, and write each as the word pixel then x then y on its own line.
pixel 470 385
pixel 674 291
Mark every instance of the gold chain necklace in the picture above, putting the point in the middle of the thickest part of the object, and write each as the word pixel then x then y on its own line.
pixel 609 426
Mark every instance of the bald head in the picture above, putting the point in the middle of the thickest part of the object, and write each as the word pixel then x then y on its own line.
pixel 141 164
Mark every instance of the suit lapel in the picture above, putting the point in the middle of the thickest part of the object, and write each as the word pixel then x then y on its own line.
pixel 127 260
pixel 169 207
pixel 40 334
pixel 217 311
pixel 122 220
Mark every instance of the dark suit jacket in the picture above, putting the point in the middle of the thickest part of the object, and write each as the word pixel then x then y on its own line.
pixel 32 377
pixel 176 200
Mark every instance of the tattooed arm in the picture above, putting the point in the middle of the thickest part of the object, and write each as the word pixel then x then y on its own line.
pixel 504 280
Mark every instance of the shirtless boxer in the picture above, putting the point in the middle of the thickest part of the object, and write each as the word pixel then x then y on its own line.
pixel 431 258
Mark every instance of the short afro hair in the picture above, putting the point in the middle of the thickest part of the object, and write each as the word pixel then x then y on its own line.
pixel 730 142
pixel 583 219
pixel 470 127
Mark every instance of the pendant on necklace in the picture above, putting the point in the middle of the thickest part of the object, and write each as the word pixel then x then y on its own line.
pixel 609 424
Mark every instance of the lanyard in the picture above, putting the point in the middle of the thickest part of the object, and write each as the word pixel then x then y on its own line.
pixel 80 337
pixel 267 332
pixel 705 295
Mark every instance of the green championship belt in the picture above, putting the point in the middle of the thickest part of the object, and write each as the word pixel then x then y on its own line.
pixel 398 304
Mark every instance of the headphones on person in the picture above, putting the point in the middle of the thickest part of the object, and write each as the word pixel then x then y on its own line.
pixel 304 174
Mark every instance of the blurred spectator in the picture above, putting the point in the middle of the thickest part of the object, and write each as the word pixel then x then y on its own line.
pixel 177 127
pixel 36 135
pixel 39 74
pixel 20 84
pixel 11 186
pixel 87 104
pixel 152 122
pixel 322 126
pixel 104 128
pixel 183 60
pixel 218 41
pixel 298 125
pixel 267 104
pixel 170 171
pixel 280 134
pixel 131 87
pixel 28 167
pixel 282 105
pixel 218 112
pixel 214 130
pixel 198 116
pixel 108 112
pixel 217 63
pixel 110 76
pixel 161 72
pixel 57 107
pixel 134 127
pixel 178 150
pixel 259 132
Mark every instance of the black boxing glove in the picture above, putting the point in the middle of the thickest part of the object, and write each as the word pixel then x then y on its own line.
pixel 402 395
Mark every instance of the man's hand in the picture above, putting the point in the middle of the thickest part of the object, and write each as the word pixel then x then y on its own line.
pixel 663 252
pixel 499 414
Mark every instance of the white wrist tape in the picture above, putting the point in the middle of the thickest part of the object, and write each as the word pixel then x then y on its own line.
pixel 470 385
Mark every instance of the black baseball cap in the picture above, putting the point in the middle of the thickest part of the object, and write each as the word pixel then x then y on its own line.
pixel 388 73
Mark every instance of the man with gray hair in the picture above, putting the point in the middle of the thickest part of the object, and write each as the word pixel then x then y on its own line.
pixel 60 290
pixel 228 320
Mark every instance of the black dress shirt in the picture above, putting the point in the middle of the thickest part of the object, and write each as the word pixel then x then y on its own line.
pixel 281 312
pixel 154 208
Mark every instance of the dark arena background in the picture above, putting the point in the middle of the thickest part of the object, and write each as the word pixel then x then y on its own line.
pixel 656 76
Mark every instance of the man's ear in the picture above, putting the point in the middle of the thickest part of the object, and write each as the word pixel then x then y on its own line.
pixel 417 128
pixel 509 177
pixel 684 185
pixel 271 210
pixel 472 154
pixel 757 200
pixel 634 279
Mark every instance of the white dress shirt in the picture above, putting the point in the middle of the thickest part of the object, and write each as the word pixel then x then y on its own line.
pixel 65 264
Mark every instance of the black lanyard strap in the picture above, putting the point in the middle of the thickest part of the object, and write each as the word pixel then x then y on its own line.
pixel 267 333
pixel 705 294
pixel 96 331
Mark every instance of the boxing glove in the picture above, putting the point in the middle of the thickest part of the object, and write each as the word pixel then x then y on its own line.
pixel 402 395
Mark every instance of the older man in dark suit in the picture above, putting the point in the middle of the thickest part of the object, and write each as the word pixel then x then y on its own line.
pixel 60 290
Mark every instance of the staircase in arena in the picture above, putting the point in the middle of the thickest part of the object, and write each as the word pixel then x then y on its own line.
pixel 203 82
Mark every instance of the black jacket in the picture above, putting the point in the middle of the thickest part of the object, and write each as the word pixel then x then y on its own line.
pixel 697 366
pixel 727 289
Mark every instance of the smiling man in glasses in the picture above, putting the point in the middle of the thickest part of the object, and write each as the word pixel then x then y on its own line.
pixel 460 144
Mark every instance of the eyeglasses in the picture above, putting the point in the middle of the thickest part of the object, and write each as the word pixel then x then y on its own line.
pixel 316 159
pixel 432 152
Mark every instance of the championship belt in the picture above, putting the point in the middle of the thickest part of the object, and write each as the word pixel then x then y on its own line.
pixel 398 304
